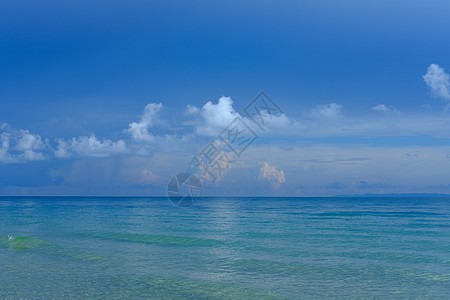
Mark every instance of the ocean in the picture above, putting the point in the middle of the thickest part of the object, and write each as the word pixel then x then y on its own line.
pixel 224 248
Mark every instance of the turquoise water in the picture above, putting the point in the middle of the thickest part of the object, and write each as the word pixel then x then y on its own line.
pixel 224 248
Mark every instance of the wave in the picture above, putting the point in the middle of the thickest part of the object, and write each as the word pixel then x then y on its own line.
pixel 22 242
pixel 29 243
pixel 159 239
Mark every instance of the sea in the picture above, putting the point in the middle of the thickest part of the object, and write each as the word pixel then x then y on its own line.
pixel 224 248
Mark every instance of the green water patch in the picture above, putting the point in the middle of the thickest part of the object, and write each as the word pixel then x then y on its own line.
pixel 178 288
pixel 160 239
pixel 22 242
pixel 86 286
pixel 344 271
pixel 41 247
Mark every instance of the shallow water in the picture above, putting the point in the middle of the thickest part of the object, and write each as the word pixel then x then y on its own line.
pixel 235 248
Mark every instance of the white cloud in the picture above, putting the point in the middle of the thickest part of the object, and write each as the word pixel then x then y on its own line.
pixel 147 177
pixel 331 110
pixel 139 130
pixel 273 176
pixel 214 117
pixel 62 149
pixel 192 110
pixel 20 145
pixel 89 146
pixel 385 109
pixel 438 81
pixel 4 155
pixel 281 122
pixel 27 141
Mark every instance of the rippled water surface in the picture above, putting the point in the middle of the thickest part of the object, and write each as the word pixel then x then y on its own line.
pixel 224 248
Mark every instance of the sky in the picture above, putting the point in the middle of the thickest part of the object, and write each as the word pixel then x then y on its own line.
pixel 117 97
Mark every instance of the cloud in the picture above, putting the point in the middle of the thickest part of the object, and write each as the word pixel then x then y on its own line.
pixel 384 168
pixel 213 117
pixel 139 130
pixel 272 175
pixel 20 145
pixel 438 81
pixel 89 146
pixel 331 110
pixel 4 155
pixel 281 122
pixel 385 109
pixel 192 110
pixel 147 177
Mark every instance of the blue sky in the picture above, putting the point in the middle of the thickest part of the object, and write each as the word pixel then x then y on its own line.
pixel 363 85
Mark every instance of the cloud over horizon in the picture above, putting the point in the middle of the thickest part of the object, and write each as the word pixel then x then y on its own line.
pixel 143 138
pixel 272 175
pixel 20 145
pixel 89 146
pixel 213 118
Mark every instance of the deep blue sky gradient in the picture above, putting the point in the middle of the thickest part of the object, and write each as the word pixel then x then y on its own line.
pixel 71 68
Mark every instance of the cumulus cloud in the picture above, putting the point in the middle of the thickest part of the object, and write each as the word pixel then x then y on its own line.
pixel 139 130
pixel 273 176
pixel 331 110
pixel 147 177
pixel 20 145
pixel 280 122
pixel 89 146
pixel 213 117
pixel 438 81
pixel 192 110
pixel 385 109
pixel 4 155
